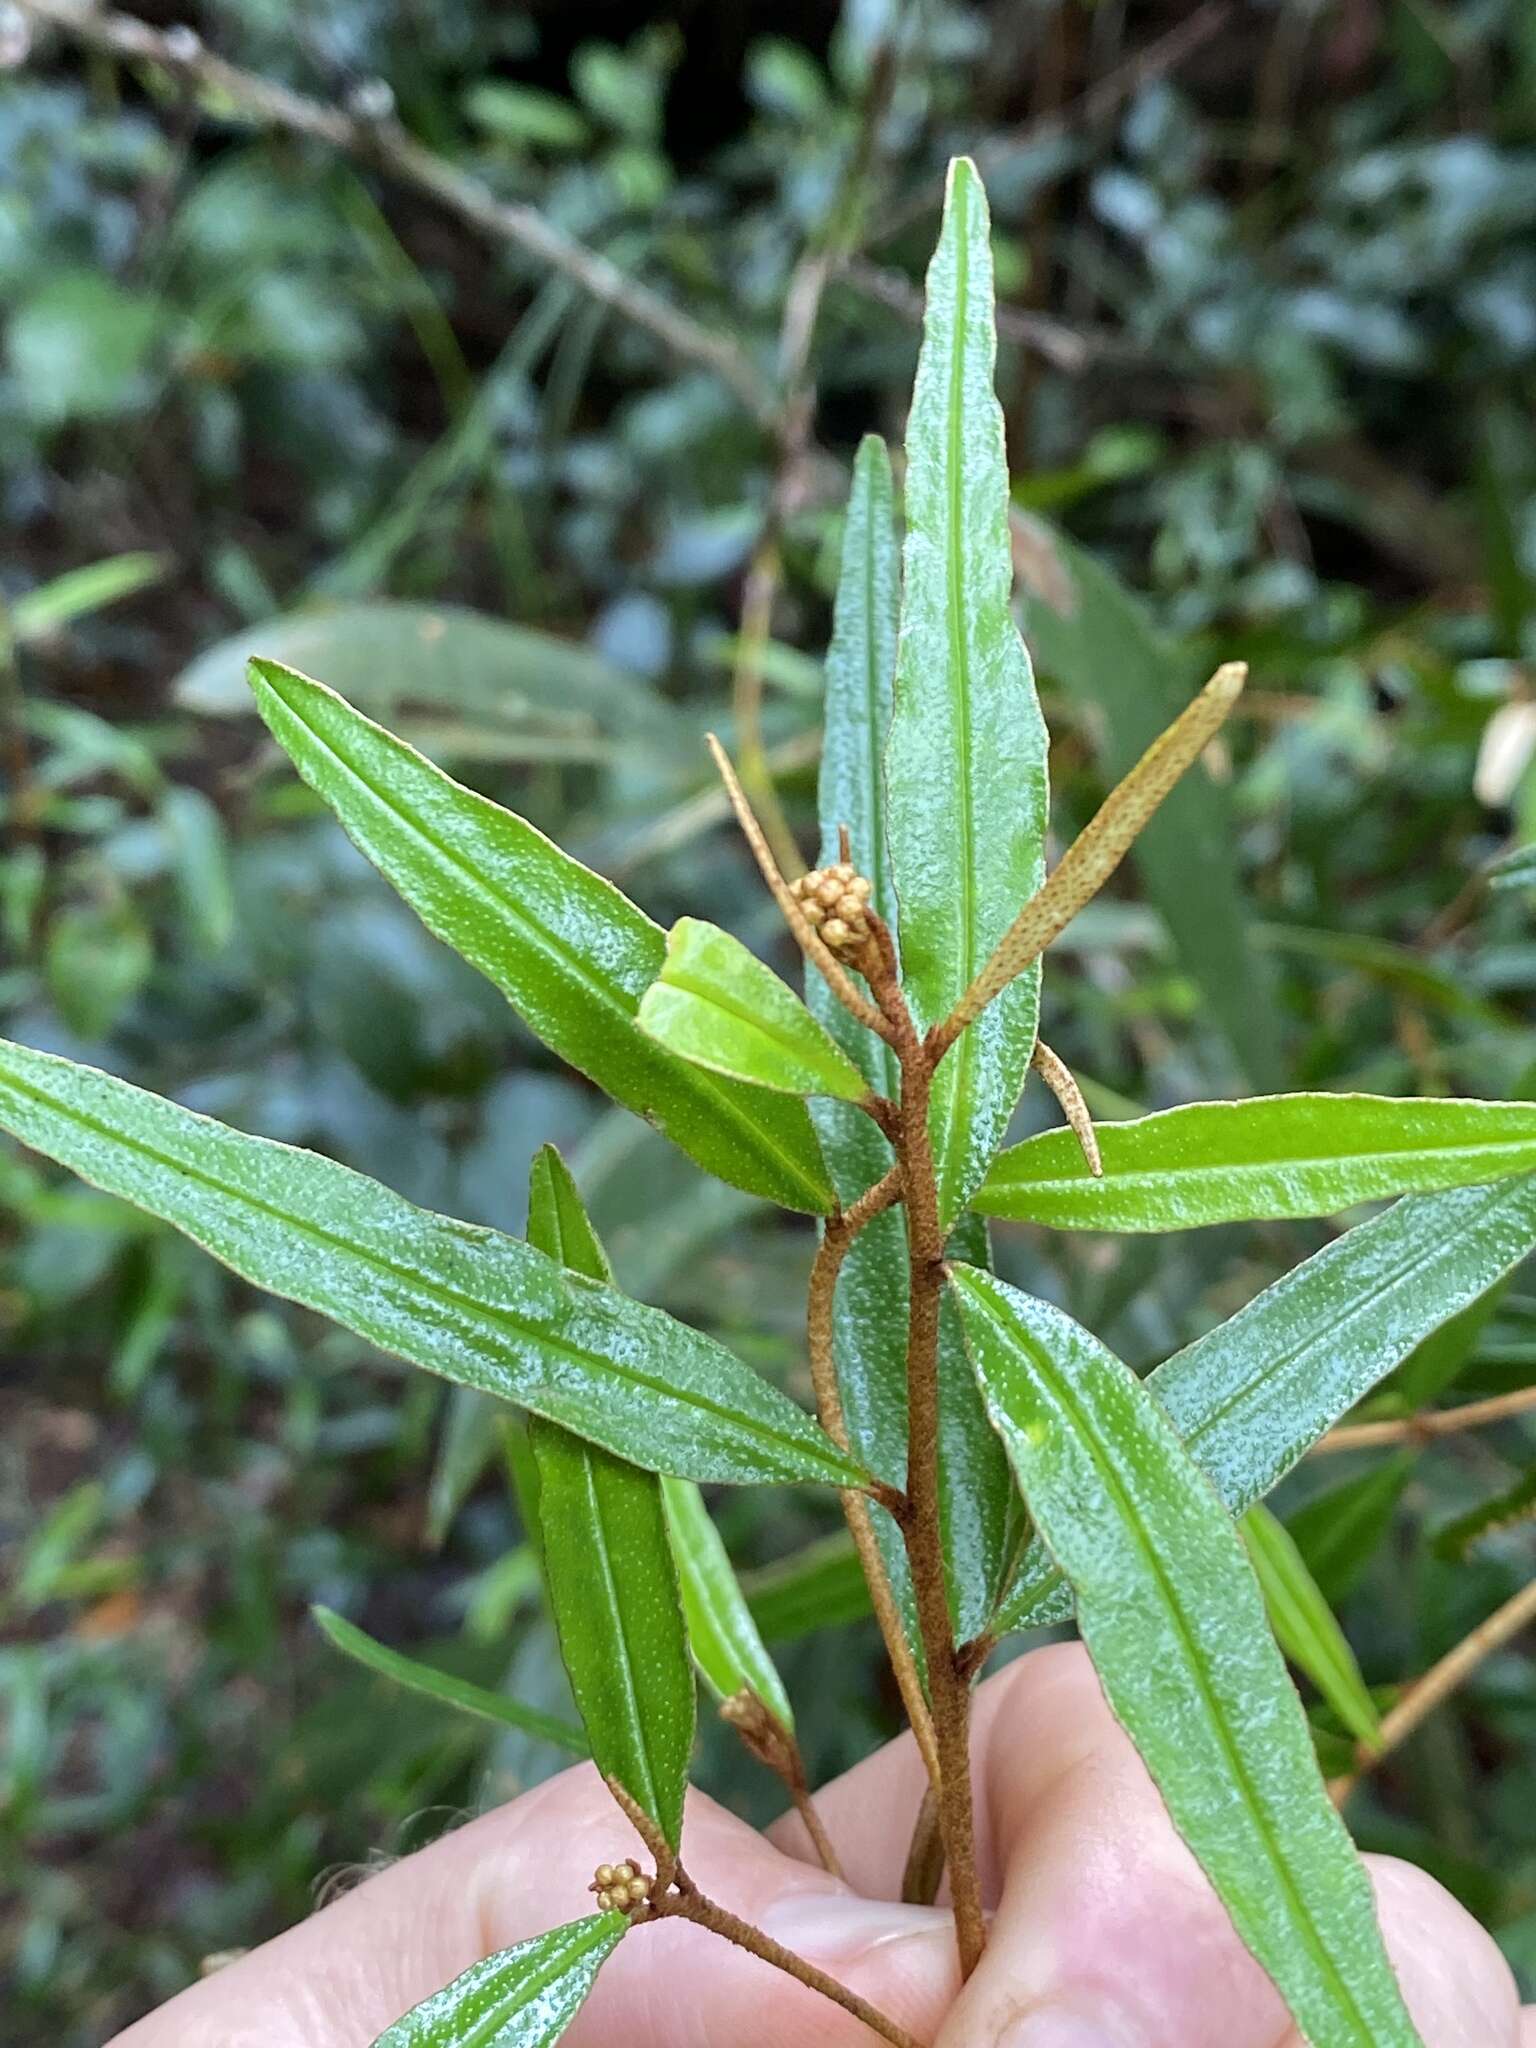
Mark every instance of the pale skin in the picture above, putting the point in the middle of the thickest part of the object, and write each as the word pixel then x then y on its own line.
pixel 1103 1932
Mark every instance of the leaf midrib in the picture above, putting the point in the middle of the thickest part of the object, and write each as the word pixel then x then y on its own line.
pixel 1110 1478
pixel 554 949
pixel 1151 1178
pixel 432 1290
pixel 646 1793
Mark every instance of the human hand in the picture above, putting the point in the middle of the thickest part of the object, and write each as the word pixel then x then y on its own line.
pixel 1105 1933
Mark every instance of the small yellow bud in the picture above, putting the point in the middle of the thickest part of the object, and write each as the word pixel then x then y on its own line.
pixel 638 1888
pixel 604 1875
pixel 836 933
pixel 849 906
pixel 605 1902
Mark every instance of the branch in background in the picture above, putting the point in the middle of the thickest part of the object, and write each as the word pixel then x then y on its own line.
pixel 229 93
pixel 1438 1683
pixel 1141 69
pixel 1423 1429
pixel 796 418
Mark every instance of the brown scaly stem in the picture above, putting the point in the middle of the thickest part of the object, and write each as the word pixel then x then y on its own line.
pixel 764 1736
pixel 687 1902
pixel 924 1871
pixel 1426 1427
pixel 839 1234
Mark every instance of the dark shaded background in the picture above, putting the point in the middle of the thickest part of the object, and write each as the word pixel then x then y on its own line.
pixel 1286 396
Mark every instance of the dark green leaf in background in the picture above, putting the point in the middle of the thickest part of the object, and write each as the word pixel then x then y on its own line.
pixel 461 1300
pixel 719 1006
pixel 1175 1624
pixel 1305 1625
pixel 966 761
pixel 523 1997
pixel 568 950
pixel 1273 1157
pixel 1088 632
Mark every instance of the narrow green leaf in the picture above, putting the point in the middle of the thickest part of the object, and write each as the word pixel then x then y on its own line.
pixel 1256 1392
pixel 1305 1625
pixel 1516 870
pixel 442 1686
pixel 608 1564
pixel 476 1307
pixel 613 1587
pixel 1175 1624
pixel 717 1005
pixel 1338 1532
pixel 1514 1504
pixel 523 1997
pixel 723 1636
pixel 1275 1156
pixel 966 763
pixel 1088 632
pixel 568 950
pixel 37 613
pixel 466 1445
pixel 558 1223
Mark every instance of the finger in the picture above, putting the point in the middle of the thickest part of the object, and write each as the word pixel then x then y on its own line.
pixel 1108 1933
pixel 340 1978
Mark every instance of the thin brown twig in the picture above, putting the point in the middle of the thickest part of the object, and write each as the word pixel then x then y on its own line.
pixel 811 943
pixel 1429 1424
pixel 687 1902
pixel 230 92
pixel 1437 1685
pixel 836 1240
pixel 1059 1078
pixel 765 1736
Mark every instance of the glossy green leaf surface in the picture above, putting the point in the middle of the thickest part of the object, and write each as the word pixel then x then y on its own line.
pixel 1087 631
pixel 1174 1621
pixel 608 1564
pixel 571 953
pixel 724 1638
pixel 1305 1626
pixel 1253 1394
pixel 462 1301
pixel 523 1997
pixel 442 1686
pixel 966 762
pixel 613 1588
pixel 717 1005
pixel 1275 1156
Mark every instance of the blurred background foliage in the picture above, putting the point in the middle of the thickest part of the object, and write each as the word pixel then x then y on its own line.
pixel 1269 277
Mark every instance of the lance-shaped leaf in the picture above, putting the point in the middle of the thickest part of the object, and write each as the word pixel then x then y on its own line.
pixel 463 1301
pixel 721 1632
pixel 570 953
pixel 1275 1156
pixel 1175 1624
pixel 1256 1392
pixel 966 763
pixel 523 1997
pixel 443 1687
pixel 1305 1625
pixel 717 1005
pixel 608 1565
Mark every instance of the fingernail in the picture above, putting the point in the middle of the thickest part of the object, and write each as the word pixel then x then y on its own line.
pixel 832 1927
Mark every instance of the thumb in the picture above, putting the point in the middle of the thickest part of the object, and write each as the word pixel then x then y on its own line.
pixel 340 1978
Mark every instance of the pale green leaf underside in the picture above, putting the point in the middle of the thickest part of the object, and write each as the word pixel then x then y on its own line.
pixel 523 1997
pixel 570 953
pixel 443 1687
pixel 462 1301
pixel 717 1005
pixel 1305 1625
pixel 1254 1394
pixel 1175 1624
pixel 1273 1157
pixel 721 1632
pixel 966 762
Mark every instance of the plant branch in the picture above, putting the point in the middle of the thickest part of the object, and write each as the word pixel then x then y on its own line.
pixel 228 92
pixel 687 1902
pixel 764 1736
pixel 1426 1427
pixel 811 943
pixel 1098 849
pixel 924 1871
pixel 1438 1683
pixel 837 1237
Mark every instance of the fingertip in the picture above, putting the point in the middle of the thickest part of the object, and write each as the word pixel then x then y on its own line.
pixel 1455 1981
